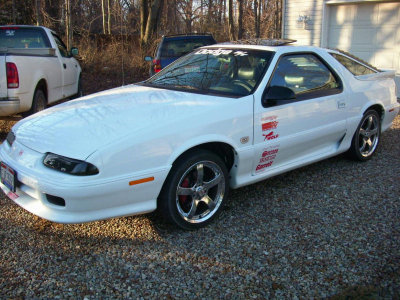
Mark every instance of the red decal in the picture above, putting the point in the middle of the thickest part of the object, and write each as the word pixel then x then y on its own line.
pixel 270 152
pixel 268 158
pixel 12 195
pixel 269 118
pixel 270 136
pixel 269 125
pixel 260 167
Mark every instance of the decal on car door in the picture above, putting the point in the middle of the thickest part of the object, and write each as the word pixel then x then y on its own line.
pixel 268 124
pixel 267 158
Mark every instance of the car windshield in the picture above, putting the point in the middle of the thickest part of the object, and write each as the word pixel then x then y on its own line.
pixel 180 47
pixel 220 71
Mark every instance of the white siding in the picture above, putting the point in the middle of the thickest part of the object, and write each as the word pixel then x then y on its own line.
pixel 311 34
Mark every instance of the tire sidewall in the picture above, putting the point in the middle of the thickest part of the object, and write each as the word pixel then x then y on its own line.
pixel 167 200
pixel 355 146
pixel 39 102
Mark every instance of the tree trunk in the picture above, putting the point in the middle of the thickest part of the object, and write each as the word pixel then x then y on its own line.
pixel 108 17
pixel 68 24
pixel 38 17
pixel 14 12
pixel 240 20
pixel 231 26
pixel 152 20
pixel 104 16
pixel 144 12
pixel 256 19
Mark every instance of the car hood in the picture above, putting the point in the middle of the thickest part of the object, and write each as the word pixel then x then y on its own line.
pixel 78 128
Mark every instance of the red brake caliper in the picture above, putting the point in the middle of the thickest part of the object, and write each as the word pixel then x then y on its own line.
pixel 185 184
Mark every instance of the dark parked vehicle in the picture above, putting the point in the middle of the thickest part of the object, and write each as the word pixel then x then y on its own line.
pixel 172 47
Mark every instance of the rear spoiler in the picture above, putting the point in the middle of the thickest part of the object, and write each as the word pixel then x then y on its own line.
pixel 379 75
pixel 28 51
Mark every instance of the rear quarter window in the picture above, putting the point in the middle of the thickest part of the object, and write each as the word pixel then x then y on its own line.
pixel 353 66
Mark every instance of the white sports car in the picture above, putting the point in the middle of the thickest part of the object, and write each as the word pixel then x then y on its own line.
pixel 221 117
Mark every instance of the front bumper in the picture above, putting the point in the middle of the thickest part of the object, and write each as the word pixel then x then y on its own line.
pixel 87 198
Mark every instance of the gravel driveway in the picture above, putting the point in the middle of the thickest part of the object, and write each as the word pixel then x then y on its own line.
pixel 332 228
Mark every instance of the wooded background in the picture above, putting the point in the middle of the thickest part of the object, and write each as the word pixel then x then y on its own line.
pixel 148 19
pixel 115 33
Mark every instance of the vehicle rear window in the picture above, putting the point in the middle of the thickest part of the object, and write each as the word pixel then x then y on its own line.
pixel 17 37
pixel 353 66
pixel 176 48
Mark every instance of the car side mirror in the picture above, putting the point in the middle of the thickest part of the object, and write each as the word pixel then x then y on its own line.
pixel 74 51
pixel 276 93
pixel 148 58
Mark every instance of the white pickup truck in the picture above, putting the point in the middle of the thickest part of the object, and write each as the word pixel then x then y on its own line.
pixel 36 69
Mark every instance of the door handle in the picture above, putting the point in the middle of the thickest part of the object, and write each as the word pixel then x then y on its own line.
pixel 65 66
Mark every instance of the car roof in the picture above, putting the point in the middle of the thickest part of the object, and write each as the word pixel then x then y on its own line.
pixel 280 49
pixel 188 35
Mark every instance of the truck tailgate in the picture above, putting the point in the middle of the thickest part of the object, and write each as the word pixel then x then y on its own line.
pixel 3 77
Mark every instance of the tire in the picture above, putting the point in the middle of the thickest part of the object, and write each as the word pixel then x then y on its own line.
pixel 39 103
pixel 367 136
pixel 79 93
pixel 191 201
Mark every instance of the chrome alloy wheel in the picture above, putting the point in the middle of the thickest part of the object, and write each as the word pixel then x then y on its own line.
pixel 200 191
pixel 368 135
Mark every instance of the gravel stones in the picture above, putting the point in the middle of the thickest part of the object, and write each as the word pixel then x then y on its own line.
pixel 331 228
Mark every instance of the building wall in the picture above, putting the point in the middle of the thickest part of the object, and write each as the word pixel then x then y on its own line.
pixel 306 33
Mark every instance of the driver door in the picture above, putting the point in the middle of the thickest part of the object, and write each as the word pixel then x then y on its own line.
pixel 289 132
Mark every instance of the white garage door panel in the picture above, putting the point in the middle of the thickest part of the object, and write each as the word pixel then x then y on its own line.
pixel 369 30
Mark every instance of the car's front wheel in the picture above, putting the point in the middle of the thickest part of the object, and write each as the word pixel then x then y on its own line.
pixel 195 190
pixel 367 136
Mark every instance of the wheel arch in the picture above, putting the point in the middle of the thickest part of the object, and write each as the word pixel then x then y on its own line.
pixel 42 85
pixel 224 150
pixel 378 108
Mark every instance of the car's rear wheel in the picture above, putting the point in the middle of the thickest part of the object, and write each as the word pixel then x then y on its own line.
pixel 195 190
pixel 366 138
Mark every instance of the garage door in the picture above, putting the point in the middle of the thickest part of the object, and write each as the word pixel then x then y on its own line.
pixel 370 31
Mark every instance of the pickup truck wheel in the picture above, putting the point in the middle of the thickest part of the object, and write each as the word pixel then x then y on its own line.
pixel 79 93
pixel 367 136
pixel 38 104
pixel 194 191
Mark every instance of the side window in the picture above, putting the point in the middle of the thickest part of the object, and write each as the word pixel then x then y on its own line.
pixel 61 46
pixel 306 75
pixel 353 66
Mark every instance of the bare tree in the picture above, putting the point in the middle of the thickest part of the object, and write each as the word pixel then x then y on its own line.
pixel 38 16
pixel 108 17
pixel 240 20
pixel 151 21
pixel 103 12
pixel 144 12
pixel 68 29
pixel 14 12
pixel 230 21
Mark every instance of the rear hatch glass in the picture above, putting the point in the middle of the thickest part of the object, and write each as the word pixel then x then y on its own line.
pixel 20 37
pixel 180 47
